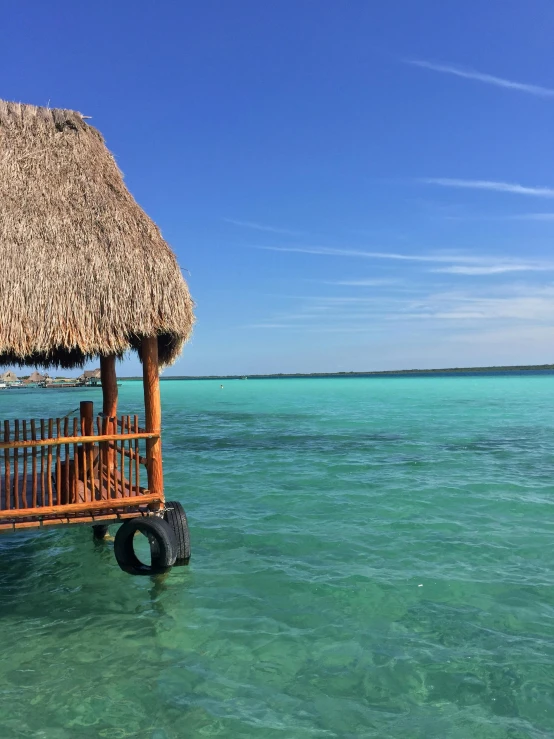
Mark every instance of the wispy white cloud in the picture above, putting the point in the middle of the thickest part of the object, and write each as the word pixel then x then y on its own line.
pixel 336 252
pixel 541 217
pixel 507 187
pixel 363 283
pixel 511 303
pixel 493 269
pixel 458 264
pixel 489 79
pixel 532 217
pixel 524 337
pixel 315 328
pixel 505 305
pixel 262 227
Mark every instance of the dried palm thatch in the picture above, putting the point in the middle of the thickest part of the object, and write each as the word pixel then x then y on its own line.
pixel 84 271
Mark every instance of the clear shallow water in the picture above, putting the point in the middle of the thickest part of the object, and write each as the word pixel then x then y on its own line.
pixel 371 558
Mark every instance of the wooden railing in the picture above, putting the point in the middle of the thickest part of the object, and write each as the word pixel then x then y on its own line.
pixel 62 462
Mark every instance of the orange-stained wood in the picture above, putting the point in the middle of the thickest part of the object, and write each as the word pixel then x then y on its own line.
pixel 76 439
pixel 95 505
pixel 34 464
pixel 79 519
pixel 42 453
pixel 115 471
pixel 138 458
pixel 49 463
pixel 129 452
pixel 87 429
pixel 102 452
pixel 66 486
pixel 58 462
pixel 153 414
pixel 75 465
pixel 138 429
pixel 16 467
pixel 7 487
pixel 109 470
pixel 25 455
pixel 108 379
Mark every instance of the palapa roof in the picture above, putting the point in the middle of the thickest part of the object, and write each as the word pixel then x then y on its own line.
pixel 85 272
pixel 91 374
pixel 36 377
pixel 8 376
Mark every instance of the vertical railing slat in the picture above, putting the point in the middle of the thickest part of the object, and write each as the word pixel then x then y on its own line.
pixel 76 463
pixel 59 483
pixel 34 465
pixel 42 471
pixel 122 456
pixel 100 458
pixel 137 457
pixel 105 459
pixel 130 457
pixel 116 468
pixel 90 453
pixel 66 491
pixel 49 463
pixel 25 456
pixel 7 485
pixel 2 503
pixel 16 466
pixel 109 459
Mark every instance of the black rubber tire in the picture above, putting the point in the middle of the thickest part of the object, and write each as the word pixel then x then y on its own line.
pixel 176 517
pixel 162 546
pixel 99 531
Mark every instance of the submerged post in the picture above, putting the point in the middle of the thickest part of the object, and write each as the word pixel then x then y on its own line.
pixel 153 413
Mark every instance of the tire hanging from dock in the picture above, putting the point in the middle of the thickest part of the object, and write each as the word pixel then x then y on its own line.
pixel 176 517
pixel 163 548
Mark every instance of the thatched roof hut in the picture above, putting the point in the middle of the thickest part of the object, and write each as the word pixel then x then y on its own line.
pixel 91 377
pixel 36 377
pixel 8 377
pixel 85 272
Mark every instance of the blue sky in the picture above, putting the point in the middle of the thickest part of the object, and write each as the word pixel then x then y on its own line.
pixel 350 185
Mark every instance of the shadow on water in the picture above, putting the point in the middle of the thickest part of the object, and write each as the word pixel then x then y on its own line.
pixel 227 416
pixel 69 572
pixel 281 442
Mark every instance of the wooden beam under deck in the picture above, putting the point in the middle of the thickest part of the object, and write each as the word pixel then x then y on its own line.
pixel 95 505
pixel 102 518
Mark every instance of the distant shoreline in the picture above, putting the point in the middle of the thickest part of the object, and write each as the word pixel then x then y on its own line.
pixel 383 373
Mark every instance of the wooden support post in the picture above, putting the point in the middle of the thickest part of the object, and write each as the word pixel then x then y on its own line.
pixel 87 411
pixel 108 379
pixel 109 386
pixel 153 414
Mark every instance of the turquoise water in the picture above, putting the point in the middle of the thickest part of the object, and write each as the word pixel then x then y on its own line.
pixel 371 558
